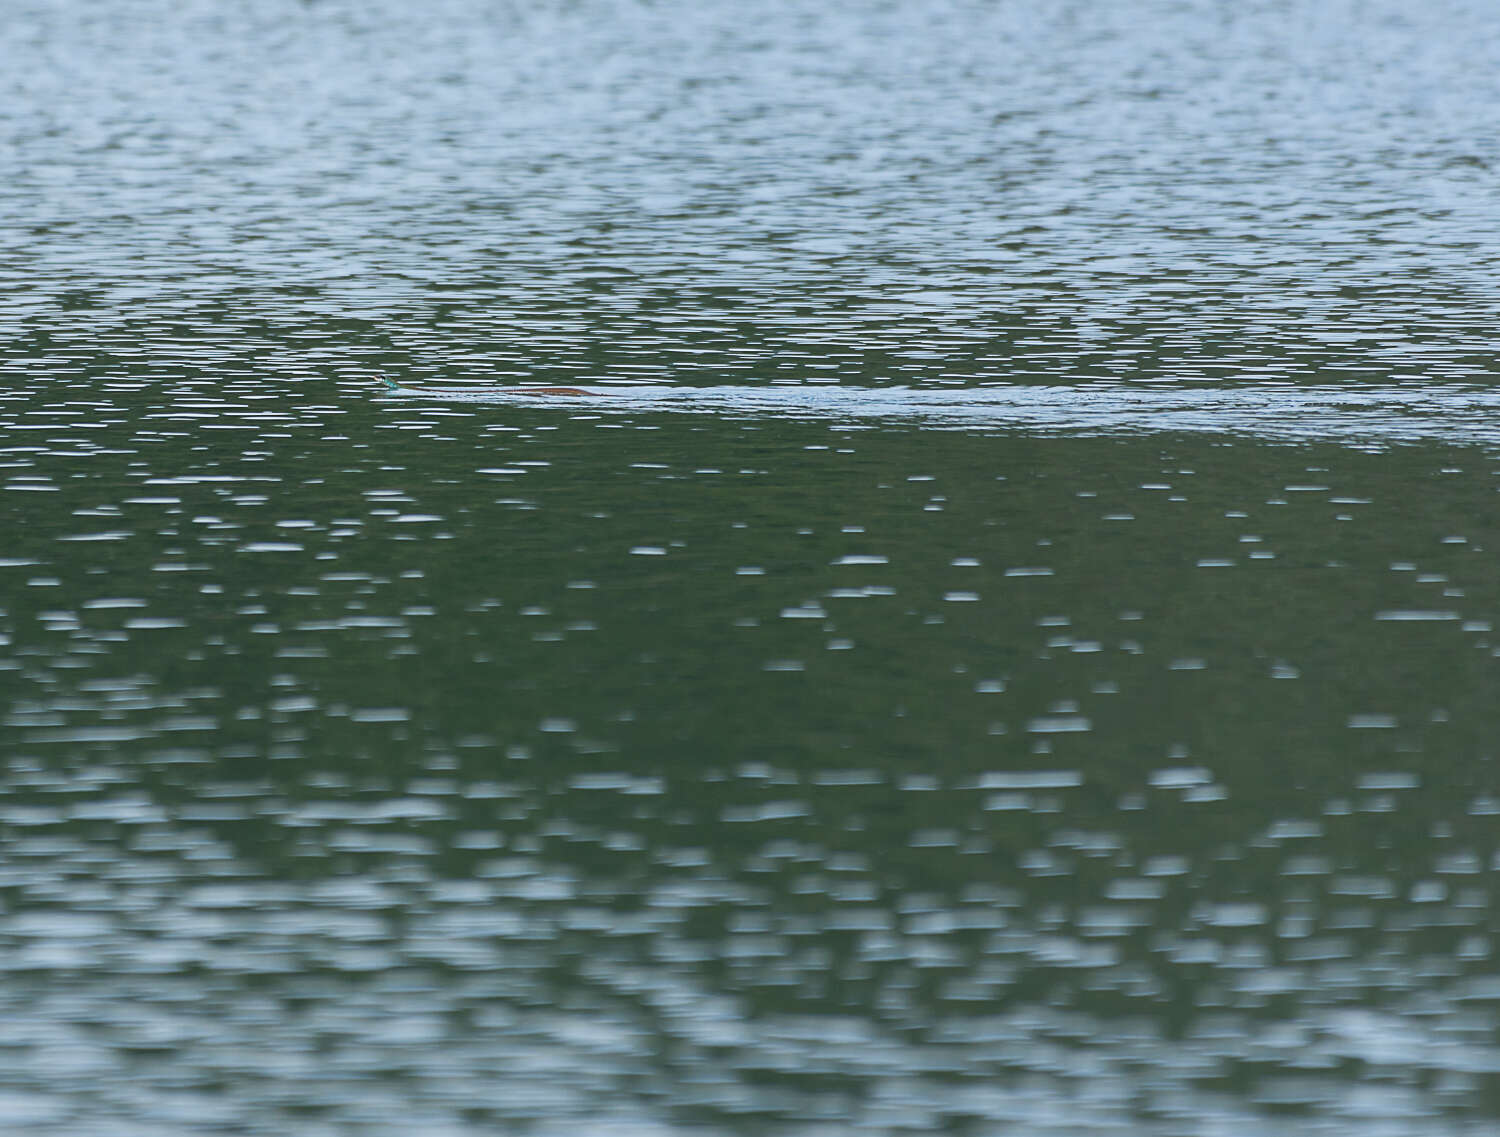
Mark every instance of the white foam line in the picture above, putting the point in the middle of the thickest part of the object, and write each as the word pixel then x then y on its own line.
pixel 1385 414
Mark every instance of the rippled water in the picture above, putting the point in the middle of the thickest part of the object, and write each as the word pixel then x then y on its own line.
pixel 1004 645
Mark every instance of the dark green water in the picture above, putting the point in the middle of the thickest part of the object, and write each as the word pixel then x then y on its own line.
pixel 1010 652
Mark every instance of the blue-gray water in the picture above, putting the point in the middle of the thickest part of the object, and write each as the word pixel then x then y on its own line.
pixel 1005 645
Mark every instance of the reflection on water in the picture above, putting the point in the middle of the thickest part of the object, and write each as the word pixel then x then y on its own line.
pixel 1007 648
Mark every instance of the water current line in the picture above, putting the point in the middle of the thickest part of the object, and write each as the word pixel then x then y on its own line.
pixel 1377 415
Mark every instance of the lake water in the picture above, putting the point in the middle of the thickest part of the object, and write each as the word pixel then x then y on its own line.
pixel 1005 647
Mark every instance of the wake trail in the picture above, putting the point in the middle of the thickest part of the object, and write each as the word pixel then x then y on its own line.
pixel 1372 414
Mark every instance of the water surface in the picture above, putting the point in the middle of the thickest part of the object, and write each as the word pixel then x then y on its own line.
pixel 1006 648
